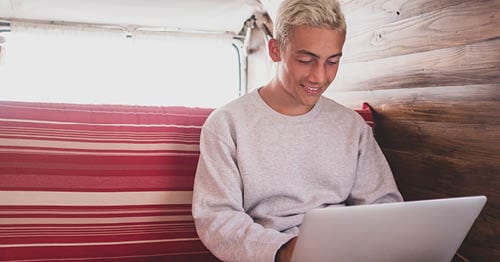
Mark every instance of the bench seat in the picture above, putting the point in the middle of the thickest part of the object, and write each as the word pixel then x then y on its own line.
pixel 100 182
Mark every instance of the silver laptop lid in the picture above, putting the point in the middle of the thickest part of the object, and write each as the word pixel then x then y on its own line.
pixel 427 230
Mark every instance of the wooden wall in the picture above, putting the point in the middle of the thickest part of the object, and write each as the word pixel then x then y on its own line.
pixel 431 71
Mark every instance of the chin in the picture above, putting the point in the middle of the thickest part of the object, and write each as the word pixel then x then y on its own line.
pixel 310 101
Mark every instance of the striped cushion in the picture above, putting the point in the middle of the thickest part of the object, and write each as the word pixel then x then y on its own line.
pixel 99 182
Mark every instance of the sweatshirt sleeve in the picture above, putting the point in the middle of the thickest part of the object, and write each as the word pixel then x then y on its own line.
pixel 221 221
pixel 374 180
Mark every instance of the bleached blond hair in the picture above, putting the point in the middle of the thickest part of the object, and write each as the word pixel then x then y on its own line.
pixel 316 13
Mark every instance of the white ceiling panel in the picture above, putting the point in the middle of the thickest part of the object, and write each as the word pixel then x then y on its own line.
pixel 203 15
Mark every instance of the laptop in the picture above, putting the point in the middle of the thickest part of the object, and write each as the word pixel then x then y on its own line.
pixel 425 230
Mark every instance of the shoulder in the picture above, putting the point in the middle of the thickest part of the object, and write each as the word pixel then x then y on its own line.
pixel 232 113
pixel 345 120
pixel 339 111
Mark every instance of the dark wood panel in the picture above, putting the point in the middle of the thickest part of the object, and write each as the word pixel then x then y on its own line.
pixel 435 160
pixel 425 176
pixel 472 64
pixel 421 175
pixel 467 146
pixel 443 142
pixel 449 25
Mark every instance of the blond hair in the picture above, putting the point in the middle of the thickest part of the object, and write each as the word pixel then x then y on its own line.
pixel 316 13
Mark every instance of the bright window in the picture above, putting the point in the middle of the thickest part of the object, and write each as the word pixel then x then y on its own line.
pixel 51 63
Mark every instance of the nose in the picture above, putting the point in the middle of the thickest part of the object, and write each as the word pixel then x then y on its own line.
pixel 317 73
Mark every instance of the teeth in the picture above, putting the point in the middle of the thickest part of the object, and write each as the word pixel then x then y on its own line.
pixel 312 89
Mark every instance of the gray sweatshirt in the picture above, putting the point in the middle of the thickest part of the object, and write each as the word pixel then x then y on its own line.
pixel 259 171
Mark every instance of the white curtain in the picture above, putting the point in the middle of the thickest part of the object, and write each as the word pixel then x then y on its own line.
pixel 82 64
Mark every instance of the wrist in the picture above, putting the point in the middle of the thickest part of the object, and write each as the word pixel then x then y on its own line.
pixel 284 253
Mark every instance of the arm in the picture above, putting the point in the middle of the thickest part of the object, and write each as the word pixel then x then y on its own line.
pixel 286 251
pixel 374 180
pixel 220 219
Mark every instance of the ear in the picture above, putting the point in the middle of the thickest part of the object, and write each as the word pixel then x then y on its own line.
pixel 274 50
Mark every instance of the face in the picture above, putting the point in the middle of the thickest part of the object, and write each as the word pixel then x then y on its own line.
pixel 307 65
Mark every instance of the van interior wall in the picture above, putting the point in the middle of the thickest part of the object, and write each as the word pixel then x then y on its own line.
pixel 430 70
pixel 259 65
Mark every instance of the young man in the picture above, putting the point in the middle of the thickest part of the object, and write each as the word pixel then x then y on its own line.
pixel 274 154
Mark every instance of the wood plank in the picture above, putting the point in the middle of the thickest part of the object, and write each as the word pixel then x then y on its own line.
pixel 488 95
pixel 367 15
pixel 472 64
pixel 450 24
pixel 420 175
pixel 423 176
pixel 443 142
pixel 458 143
pixel 442 121
pixel 444 161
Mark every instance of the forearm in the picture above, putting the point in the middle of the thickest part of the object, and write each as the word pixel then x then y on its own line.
pixel 233 236
pixel 285 252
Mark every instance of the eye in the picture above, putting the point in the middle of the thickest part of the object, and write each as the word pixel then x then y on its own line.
pixel 332 62
pixel 304 61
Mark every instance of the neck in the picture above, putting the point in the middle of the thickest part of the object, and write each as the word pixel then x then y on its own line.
pixel 280 101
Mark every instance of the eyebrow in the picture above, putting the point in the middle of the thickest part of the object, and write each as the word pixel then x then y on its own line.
pixel 305 52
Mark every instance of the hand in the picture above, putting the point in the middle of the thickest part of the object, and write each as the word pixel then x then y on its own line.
pixel 285 252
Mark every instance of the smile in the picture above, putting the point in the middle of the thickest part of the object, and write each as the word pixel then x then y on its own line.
pixel 311 90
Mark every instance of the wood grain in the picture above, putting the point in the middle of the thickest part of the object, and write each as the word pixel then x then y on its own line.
pixel 421 175
pixel 420 29
pixel 363 16
pixel 472 64
pixel 381 99
pixel 443 142
pixel 430 70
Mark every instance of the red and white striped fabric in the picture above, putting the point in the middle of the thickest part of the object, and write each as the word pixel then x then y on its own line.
pixel 98 182
pixel 367 114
